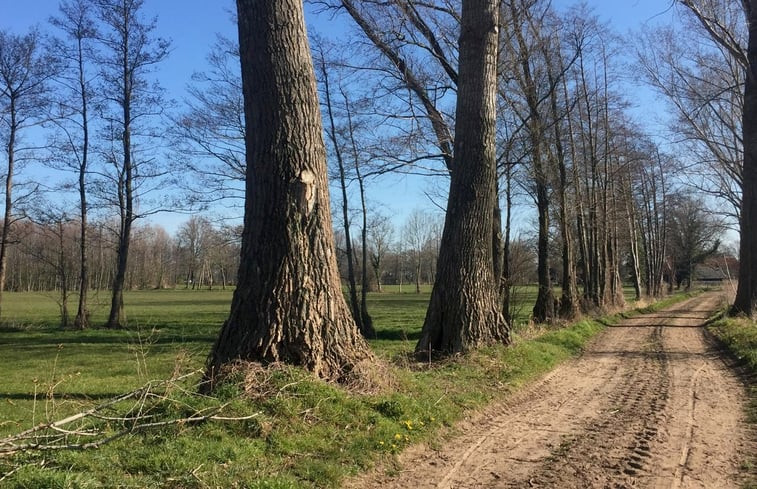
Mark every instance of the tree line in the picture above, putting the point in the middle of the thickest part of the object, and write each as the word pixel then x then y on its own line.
pixel 487 92
pixel 503 104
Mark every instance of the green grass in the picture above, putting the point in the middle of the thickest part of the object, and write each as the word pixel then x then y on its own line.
pixel 306 433
pixel 739 336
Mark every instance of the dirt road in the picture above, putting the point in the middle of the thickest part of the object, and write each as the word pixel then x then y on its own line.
pixel 649 404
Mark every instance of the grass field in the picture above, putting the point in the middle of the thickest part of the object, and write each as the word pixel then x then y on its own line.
pixel 304 433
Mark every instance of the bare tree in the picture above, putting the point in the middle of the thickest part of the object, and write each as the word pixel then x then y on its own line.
pixel 129 52
pixel 416 233
pixel 288 304
pixel 25 71
pixel 73 144
pixel 703 84
pixel 380 233
pixel 366 329
pixel 51 243
pixel 194 240
pixel 694 235
pixel 210 133
pixel 715 22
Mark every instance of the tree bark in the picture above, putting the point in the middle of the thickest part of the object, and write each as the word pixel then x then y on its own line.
pixel 288 305
pixel 746 294
pixel 464 310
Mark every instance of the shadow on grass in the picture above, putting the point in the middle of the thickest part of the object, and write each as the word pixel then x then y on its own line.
pixel 397 334
pixel 60 396
pixel 51 339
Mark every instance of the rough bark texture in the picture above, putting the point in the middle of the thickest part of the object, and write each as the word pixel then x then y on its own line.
pixel 288 305
pixel 464 310
pixel 746 294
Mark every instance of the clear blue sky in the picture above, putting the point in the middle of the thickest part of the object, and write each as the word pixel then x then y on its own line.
pixel 192 26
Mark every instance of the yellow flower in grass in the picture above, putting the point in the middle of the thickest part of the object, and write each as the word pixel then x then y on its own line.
pixel 398 437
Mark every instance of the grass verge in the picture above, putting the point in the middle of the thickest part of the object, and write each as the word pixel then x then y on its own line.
pixel 739 337
pixel 304 433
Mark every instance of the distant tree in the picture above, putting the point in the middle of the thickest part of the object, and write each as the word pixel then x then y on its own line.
pixel 51 244
pixel 129 52
pixel 288 304
pixel 194 239
pixel 464 310
pixel 416 234
pixel 25 72
pixel 694 236
pixel 380 233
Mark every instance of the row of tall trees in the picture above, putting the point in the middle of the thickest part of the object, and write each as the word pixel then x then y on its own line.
pixel 506 103
pixel 89 84
pixel 533 96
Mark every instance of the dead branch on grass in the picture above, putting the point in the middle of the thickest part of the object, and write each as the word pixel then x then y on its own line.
pixel 136 411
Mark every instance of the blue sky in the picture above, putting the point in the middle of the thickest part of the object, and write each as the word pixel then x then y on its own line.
pixel 192 26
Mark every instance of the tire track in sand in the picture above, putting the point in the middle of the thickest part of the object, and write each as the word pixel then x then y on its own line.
pixel 649 404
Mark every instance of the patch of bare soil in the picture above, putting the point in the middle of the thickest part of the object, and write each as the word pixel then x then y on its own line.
pixel 651 403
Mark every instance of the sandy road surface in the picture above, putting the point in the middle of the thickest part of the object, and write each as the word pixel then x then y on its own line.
pixel 650 404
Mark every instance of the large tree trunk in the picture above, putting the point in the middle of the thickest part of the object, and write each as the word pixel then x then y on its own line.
pixel 464 310
pixel 746 294
pixel 288 305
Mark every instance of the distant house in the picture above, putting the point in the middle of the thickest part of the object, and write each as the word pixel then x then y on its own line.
pixel 708 274
pixel 716 269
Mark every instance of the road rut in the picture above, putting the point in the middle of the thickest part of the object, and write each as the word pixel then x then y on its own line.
pixel 651 403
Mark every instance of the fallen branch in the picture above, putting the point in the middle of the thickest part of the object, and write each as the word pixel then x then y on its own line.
pixel 94 427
